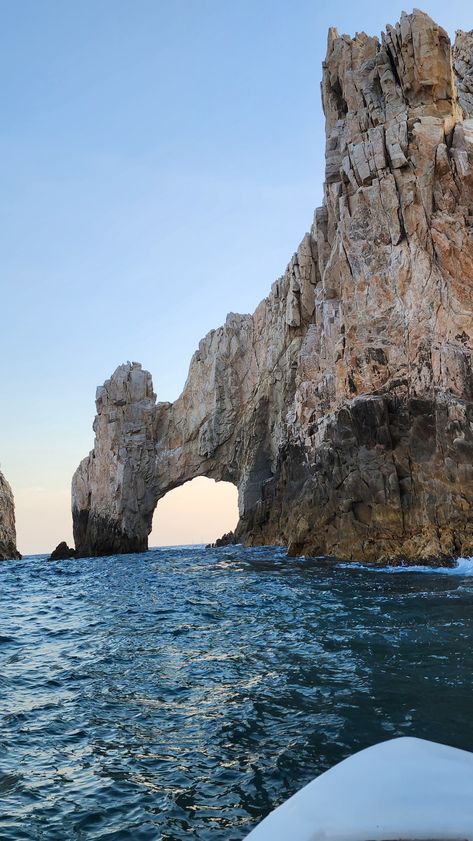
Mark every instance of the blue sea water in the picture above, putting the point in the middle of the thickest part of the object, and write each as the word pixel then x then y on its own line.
pixel 185 692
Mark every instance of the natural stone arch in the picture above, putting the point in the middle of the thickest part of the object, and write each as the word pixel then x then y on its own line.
pixel 199 511
pixel 227 424
pixel 343 407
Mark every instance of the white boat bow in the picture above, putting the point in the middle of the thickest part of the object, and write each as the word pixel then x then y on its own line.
pixel 405 788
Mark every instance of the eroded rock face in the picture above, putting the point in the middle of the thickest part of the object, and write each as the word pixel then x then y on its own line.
pixel 343 407
pixel 8 550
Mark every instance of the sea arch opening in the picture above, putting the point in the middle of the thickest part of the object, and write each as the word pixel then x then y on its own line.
pixel 199 511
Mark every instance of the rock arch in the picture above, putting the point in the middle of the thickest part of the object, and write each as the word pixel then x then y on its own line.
pixel 227 424
pixel 343 407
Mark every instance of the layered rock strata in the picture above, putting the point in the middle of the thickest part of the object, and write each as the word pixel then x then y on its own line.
pixel 8 550
pixel 343 407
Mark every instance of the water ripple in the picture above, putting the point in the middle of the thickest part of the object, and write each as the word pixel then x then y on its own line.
pixel 186 691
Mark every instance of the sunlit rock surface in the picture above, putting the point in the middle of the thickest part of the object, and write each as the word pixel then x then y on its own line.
pixel 343 407
pixel 8 548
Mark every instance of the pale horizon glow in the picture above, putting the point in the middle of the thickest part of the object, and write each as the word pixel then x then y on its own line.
pixel 200 511
pixel 160 162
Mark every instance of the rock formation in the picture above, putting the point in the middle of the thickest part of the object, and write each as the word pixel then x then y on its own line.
pixel 343 407
pixel 62 552
pixel 8 548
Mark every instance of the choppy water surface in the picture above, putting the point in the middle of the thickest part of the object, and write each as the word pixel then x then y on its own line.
pixel 185 692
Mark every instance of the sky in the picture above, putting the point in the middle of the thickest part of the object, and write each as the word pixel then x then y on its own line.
pixel 160 160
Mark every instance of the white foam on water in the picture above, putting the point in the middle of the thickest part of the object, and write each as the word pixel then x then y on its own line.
pixel 463 566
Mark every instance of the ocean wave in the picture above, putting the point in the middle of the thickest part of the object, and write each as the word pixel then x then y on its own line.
pixel 218 686
pixel 463 566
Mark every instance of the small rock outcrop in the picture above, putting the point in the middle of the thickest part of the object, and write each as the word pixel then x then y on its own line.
pixel 8 550
pixel 227 539
pixel 62 552
pixel 343 407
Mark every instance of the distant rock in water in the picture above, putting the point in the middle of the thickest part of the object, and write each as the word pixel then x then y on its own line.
pixel 343 407
pixel 228 539
pixel 62 552
pixel 8 550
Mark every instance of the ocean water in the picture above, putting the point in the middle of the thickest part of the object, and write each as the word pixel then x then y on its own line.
pixel 185 692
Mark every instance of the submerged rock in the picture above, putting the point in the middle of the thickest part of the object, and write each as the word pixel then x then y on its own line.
pixel 62 552
pixel 343 407
pixel 8 550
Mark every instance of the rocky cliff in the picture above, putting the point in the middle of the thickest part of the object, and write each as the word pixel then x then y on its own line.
pixel 343 407
pixel 8 548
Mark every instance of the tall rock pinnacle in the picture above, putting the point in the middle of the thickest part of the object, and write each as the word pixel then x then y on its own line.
pixel 8 548
pixel 343 407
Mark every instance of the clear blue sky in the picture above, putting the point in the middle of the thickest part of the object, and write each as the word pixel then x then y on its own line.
pixel 160 162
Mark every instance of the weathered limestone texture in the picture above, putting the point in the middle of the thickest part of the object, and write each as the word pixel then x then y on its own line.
pixel 343 407
pixel 8 550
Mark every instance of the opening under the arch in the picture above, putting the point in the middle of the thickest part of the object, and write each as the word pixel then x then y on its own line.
pixel 198 512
